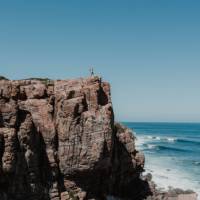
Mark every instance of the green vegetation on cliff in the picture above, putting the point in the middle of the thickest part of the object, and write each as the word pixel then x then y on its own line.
pixel 3 78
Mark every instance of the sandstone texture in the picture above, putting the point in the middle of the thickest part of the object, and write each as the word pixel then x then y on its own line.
pixel 59 141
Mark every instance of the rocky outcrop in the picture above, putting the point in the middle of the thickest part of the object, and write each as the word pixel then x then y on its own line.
pixel 58 141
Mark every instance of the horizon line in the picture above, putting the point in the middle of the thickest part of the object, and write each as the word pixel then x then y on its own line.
pixel 170 122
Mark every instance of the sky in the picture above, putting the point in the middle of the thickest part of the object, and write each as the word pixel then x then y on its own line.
pixel 149 50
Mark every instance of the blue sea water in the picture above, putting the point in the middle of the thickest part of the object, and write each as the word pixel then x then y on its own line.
pixel 172 153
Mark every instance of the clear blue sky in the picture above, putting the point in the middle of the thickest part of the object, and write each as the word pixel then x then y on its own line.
pixel 149 50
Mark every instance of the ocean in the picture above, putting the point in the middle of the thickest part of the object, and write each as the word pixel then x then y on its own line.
pixel 172 153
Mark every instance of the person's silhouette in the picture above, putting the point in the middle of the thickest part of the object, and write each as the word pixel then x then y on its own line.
pixel 91 71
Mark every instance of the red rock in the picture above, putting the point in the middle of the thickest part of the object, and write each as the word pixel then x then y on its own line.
pixel 58 140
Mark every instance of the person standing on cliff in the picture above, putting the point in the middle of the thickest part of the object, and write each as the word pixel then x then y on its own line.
pixel 91 71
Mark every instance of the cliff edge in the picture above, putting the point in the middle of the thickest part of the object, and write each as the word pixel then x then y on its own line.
pixel 58 141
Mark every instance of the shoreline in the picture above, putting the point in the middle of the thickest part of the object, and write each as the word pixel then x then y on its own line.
pixel 167 177
pixel 165 180
pixel 168 194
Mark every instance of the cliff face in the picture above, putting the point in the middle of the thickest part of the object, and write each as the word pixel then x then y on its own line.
pixel 58 140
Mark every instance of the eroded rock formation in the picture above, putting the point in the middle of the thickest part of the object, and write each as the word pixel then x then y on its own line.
pixel 58 141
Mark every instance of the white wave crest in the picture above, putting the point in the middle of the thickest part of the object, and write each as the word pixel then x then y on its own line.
pixel 151 146
pixel 171 139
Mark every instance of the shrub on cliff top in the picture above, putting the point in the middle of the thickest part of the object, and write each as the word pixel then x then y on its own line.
pixel 3 78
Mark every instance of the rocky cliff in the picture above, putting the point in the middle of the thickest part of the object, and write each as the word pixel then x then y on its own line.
pixel 58 141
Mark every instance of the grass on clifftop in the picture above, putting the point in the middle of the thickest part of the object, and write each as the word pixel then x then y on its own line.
pixel 3 78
